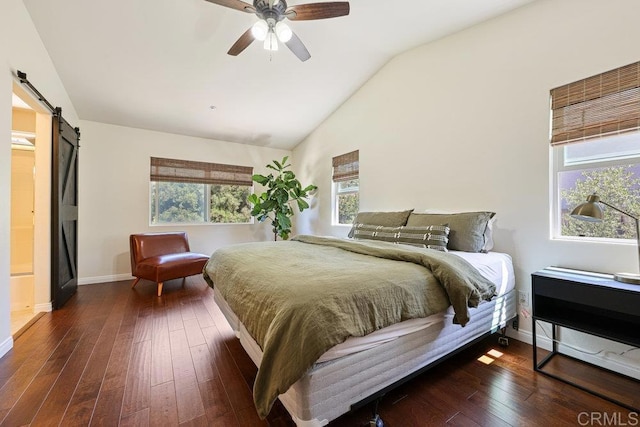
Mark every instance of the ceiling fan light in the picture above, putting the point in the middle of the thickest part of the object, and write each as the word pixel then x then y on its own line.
pixel 271 42
pixel 259 30
pixel 284 32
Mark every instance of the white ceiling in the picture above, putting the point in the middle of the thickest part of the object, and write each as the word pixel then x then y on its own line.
pixel 161 64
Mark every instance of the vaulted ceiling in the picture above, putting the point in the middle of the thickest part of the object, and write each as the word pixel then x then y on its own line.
pixel 162 64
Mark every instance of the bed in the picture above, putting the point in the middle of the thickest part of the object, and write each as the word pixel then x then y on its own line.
pixel 364 362
pixel 333 323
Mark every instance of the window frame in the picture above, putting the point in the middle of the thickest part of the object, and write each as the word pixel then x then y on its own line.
pixel 558 166
pixel 591 109
pixel 179 171
pixel 345 167
pixel 335 205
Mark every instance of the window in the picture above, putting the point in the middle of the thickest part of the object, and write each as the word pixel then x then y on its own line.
pixel 346 187
pixel 190 192
pixel 596 149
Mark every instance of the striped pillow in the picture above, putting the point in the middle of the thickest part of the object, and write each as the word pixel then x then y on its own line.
pixel 431 237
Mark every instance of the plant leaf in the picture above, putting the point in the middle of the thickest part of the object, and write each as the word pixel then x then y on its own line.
pixel 260 179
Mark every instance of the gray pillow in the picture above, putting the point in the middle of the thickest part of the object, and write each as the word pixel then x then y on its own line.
pixel 431 237
pixel 470 231
pixel 385 219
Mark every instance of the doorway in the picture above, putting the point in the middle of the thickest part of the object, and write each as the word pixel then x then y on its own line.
pixel 30 211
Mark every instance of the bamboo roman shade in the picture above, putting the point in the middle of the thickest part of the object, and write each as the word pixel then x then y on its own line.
pixel 171 170
pixel 605 104
pixel 346 167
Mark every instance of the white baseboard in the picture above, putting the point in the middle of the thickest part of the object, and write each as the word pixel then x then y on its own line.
pixel 103 279
pixel 606 359
pixel 6 346
pixel 46 307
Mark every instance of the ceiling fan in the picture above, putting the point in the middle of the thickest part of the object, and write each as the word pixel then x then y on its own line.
pixel 270 28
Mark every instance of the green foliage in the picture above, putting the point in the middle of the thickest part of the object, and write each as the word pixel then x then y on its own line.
pixel 348 202
pixel 229 204
pixel 617 186
pixel 185 203
pixel 177 202
pixel 348 208
pixel 274 204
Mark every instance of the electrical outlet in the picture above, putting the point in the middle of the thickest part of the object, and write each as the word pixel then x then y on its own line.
pixel 523 298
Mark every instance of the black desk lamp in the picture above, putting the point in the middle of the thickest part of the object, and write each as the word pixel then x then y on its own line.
pixel 591 211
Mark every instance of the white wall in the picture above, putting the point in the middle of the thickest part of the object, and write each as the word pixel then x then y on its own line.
pixel 21 49
pixel 463 124
pixel 114 194
pixel 5 185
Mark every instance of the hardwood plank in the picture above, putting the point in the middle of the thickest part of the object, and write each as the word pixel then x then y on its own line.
pixel 91 362
pixel 115 374
pixel 136 419
pixel 215 399
pixel 16 385
pixel 194 333
pixel 461 420
pixel 621 388
pixel 174 314
pixel 202 314
pixel 186 309
pixel 200 421
pixel 143 330
pixel 163 405
pixel 105 367
pixel 54 406
pixel 239 392
pixel 25 409
pixel 248 417
pixel 138 383
pixel 161 365
pixel 186 383
pixel 227 420
pixel 108 408
pixel 202 362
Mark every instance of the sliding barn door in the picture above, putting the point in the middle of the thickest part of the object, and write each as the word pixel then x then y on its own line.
pixel 64 206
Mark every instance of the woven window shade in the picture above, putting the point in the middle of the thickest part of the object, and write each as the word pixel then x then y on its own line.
pixel 602 105
pixel 171 170
pixel 346 167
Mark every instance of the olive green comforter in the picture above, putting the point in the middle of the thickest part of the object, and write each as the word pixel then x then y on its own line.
pixel 299 298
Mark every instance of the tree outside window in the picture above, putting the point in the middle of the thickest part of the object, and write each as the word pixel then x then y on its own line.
pixel 191 192
pixel 618 186
pixel 346 187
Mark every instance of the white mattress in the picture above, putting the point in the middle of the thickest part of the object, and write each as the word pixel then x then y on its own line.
pixel 329 389
pixel 357 368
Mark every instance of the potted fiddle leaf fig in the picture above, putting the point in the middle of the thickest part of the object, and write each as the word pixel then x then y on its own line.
pixel 275 203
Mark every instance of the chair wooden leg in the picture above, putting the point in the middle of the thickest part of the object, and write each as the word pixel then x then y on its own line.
pixel 184 279
pixel 159 288
pixel 135 282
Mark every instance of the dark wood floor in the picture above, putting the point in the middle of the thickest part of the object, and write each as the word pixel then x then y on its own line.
pixel 117 356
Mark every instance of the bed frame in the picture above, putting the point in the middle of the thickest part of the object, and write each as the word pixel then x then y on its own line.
pixel 333 388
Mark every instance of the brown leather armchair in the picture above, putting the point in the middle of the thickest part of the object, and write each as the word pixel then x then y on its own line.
pixel 163 256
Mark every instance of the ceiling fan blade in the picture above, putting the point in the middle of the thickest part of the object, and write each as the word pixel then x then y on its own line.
pixel 305 12
pixel 297 47
pixel 235 4
pixel 242 43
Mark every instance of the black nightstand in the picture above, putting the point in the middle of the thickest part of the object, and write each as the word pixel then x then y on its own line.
pixel 587 302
